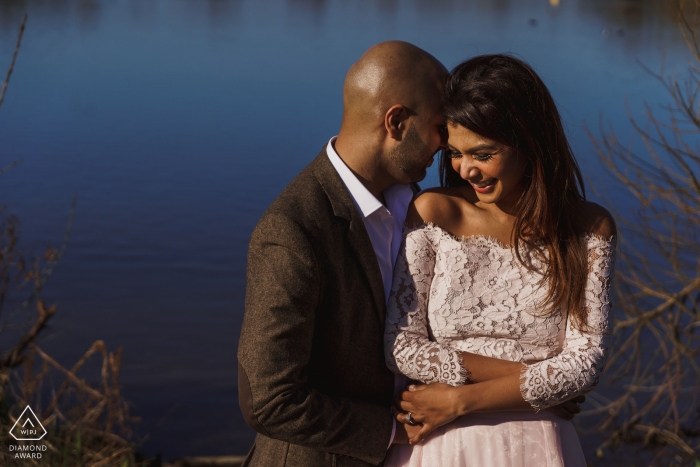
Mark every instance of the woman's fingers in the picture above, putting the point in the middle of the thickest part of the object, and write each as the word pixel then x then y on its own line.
pixel 405 420
pixel 572 407
pixel 567 410
pixel 406 406
pixel 402 417
pixel 409 394
pixel 404 396
pixel 561 411
pixel 579 399
pixel 422 434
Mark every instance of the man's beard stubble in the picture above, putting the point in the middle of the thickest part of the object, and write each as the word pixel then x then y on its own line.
pixel 410 155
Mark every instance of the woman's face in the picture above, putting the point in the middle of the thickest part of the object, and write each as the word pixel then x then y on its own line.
pixel 494 170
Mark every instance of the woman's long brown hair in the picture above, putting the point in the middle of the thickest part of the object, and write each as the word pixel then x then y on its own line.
pixel 501 98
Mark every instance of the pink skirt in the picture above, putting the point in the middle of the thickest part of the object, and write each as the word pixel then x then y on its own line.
pixel 498 439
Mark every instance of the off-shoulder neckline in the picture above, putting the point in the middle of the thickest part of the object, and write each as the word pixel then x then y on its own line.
pixel 490 240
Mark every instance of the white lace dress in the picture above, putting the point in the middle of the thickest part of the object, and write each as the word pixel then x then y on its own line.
pixel 472 295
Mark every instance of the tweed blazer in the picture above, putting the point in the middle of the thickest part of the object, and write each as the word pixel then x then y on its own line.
pixel 311 374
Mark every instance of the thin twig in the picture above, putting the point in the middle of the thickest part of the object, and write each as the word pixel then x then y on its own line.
pixel 12 63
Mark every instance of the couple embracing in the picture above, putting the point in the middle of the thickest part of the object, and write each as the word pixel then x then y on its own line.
pixel 455 327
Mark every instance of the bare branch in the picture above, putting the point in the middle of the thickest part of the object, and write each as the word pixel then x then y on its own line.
pixel 14 58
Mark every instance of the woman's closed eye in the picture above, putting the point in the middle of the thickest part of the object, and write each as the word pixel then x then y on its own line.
pixel 481 157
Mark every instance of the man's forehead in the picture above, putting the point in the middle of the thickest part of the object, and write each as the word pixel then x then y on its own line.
pixel 435 104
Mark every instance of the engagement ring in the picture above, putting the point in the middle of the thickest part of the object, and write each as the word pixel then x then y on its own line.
pixel 409 418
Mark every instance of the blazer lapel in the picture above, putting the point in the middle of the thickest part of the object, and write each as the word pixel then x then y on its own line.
pixel 357 235
pixel 344 207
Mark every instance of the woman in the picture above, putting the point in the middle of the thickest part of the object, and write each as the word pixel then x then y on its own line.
pixel 500 298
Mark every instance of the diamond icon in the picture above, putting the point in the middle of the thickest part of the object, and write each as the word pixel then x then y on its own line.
pixel 28 427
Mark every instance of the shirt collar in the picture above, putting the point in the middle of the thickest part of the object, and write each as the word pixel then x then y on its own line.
pixel 366 202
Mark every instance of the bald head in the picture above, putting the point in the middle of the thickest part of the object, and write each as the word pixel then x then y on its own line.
pixel 392 118
pixel 390 73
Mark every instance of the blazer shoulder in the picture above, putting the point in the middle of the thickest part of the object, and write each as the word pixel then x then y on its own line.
pixel 305 201
pixel 304 190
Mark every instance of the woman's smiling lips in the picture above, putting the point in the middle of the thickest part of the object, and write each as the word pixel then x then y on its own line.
pixel 484 187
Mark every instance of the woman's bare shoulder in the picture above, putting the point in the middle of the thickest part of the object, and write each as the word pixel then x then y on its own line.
pixel 597 220
pixel 441 206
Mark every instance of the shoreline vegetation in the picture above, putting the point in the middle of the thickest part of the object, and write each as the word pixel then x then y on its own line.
pixel 206 461
pixel 86 420
pixel 653 372
pixel 652 409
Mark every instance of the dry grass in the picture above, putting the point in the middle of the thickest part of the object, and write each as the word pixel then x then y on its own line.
pixel 654 365
pixel 86 418
pixel 88 424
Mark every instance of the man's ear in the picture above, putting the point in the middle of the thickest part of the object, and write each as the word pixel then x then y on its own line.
pixel 395 121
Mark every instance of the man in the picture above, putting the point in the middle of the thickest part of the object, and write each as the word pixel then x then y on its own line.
pixel 312 378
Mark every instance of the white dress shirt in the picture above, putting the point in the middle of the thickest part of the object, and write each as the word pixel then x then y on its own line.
pixel 384 224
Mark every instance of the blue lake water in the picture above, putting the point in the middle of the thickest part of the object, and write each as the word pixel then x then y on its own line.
pixel 177 122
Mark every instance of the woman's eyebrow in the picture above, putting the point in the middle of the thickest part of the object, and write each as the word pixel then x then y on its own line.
pixel 478 147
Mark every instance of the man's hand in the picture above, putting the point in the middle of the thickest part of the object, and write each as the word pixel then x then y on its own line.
pixel 431 406
pixel 567 410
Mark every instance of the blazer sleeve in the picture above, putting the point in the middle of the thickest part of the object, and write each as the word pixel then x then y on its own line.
pixel 283 290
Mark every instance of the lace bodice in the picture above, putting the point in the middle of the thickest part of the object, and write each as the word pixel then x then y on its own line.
pixel 472 295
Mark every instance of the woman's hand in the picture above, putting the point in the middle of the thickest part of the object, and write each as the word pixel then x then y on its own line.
pixel 433 405
pixel 430 405
pixel 404 431
pixel 568 410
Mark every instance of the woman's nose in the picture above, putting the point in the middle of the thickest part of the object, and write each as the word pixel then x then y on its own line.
pixel 467 170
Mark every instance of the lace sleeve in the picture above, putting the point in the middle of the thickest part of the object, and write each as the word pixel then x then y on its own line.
pixel 407 344
pixel 576 370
